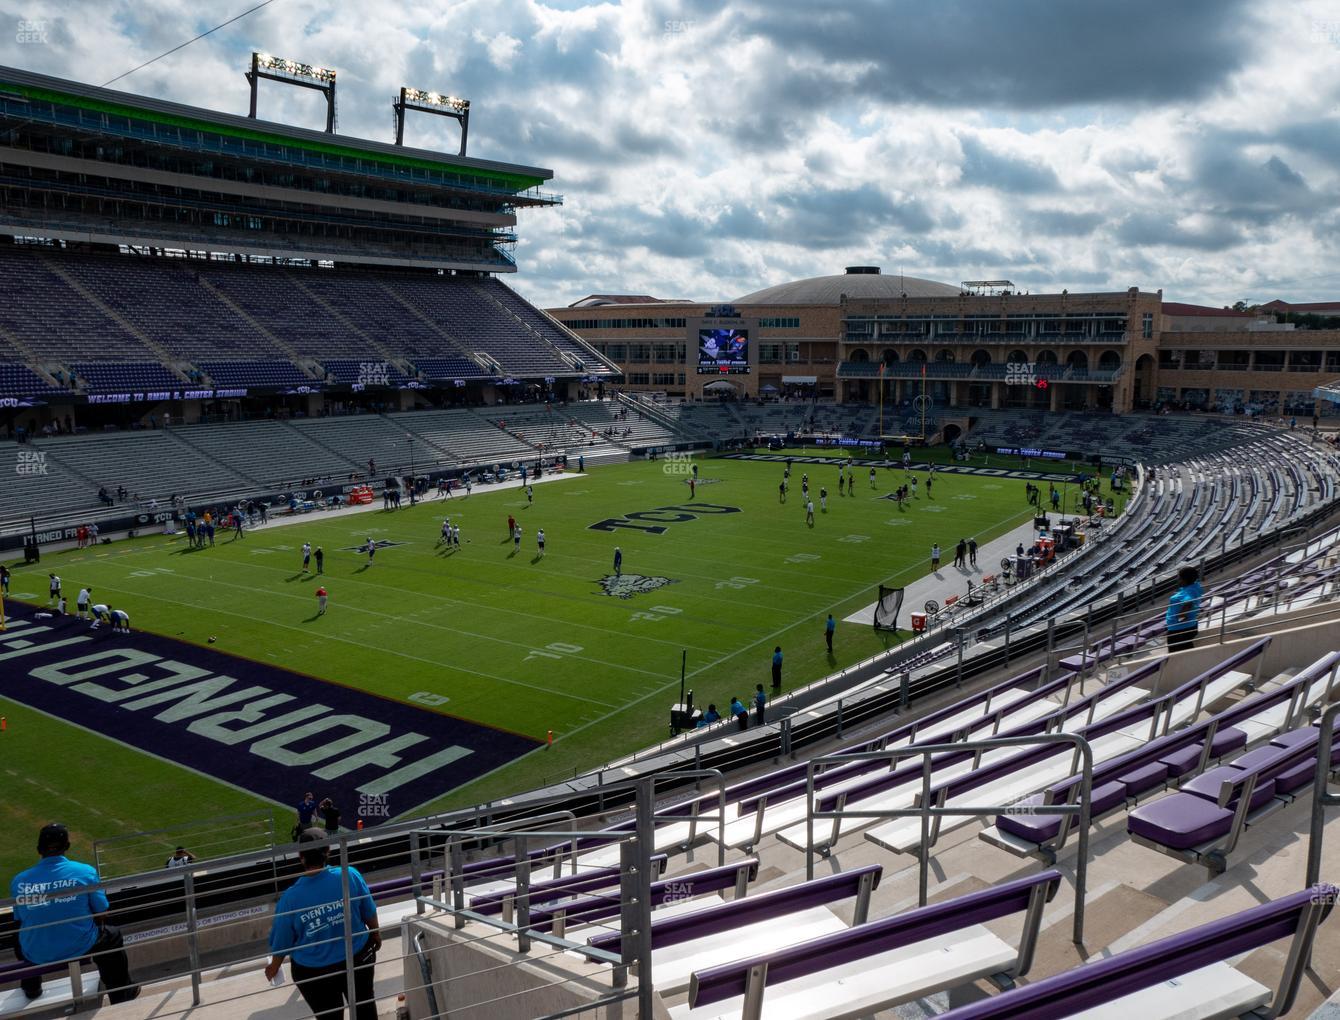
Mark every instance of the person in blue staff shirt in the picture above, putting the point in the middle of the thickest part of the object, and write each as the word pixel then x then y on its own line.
pixel 1184 610
pixel 309 927
pixel 777 668
pixel 60 922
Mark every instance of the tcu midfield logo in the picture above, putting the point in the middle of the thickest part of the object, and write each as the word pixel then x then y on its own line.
pixel 625 586
pixel 654 521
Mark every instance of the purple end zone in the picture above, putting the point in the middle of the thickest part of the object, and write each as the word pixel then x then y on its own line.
pixel 266 730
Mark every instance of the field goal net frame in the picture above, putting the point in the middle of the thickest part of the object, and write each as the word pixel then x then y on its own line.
pixel 887 606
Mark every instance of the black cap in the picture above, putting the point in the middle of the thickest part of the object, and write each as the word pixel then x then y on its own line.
pixel 54 837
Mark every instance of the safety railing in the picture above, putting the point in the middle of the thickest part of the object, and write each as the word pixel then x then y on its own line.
pixel 1322 797
pixel 1076 807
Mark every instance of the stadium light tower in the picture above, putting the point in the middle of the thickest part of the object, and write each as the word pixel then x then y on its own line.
pixel 291 72
pixel 430 102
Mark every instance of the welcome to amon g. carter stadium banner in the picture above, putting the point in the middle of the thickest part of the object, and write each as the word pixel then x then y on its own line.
pixel 270 731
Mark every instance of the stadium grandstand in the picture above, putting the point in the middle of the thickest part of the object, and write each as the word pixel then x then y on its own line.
pixel 1036 799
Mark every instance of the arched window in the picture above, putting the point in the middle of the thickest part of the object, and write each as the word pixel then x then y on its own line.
pixel 981 357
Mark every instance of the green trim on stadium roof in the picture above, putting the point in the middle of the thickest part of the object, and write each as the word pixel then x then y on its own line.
pixel 520 182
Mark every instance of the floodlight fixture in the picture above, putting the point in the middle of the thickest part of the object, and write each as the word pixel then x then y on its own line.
pixel 292 72
pixel 430 102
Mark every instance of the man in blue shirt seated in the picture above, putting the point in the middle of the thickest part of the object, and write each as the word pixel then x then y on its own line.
pixel 309 926
pixel 59 921
pixel 1184 610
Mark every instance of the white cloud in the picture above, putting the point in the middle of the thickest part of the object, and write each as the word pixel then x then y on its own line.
pixel 707 150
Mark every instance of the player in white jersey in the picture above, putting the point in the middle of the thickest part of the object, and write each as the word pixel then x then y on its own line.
pixel 456 535
pixel 120 621
pixel 539 540
pixel 371 547
pixel 516 538
pixel 809 512
pixel 306 556
pixel 81 603
pixel 446 532
pixel 100 614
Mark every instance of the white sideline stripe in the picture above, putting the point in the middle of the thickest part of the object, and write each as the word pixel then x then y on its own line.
pixel 876 982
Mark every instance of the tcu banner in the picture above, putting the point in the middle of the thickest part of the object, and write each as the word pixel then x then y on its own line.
pixel 270 731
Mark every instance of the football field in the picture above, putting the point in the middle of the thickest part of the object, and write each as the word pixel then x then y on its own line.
pixel 513 643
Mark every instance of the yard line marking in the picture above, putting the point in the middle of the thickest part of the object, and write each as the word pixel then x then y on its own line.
pixel 380 648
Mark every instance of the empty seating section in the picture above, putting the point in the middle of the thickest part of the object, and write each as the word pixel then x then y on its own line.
pixel 628 425
pixel 369 305
pixel 288 310
pixel 467 436
pixel 151 465
pixel 269 453
pixel 118 376
pixel 22 381
pixel 53 320
pixel 551 429
pixel 444 369
pixel 368 371
pixel 167 301
pixel 255 373
pixel 1149 438
pixel 360 438
pixel 480 324
pixel 67 307
pixel 542 324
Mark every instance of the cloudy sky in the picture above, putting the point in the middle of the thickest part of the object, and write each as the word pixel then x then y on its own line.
pixel 706 149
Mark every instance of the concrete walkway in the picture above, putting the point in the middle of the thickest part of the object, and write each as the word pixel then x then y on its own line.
pixel 949 579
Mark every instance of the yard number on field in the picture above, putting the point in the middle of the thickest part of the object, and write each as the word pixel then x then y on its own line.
pixel 737 583
pixel 655 613
pixel 553 650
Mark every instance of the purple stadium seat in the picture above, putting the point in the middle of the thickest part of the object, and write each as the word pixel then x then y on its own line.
pixel 1207 786
pixel 1144 778
pixel 1181 821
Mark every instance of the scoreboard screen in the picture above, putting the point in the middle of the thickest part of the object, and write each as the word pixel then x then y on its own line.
pixel 723 351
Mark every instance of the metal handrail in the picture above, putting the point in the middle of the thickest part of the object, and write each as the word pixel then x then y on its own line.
pixel 925 811
pixel 1322 798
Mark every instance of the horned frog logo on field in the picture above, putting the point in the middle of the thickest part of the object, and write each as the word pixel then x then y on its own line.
pixel 625 586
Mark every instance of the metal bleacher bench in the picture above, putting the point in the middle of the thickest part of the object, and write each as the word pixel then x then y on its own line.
pixel 1184 975
pixel 68 990
pixel 874 966
pixel 684 943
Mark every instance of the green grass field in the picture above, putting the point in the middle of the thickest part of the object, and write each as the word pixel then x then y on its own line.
pixel 511 640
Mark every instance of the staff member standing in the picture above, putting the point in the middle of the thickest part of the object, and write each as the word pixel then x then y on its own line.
pixel 777 668
pixel 59 922
pixel 1184 610
pixel 309 927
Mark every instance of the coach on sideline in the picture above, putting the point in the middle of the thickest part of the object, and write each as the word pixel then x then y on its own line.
pixel 57 926
pixel 309 926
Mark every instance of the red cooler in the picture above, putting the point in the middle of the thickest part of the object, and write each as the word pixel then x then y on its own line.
pixel 918 623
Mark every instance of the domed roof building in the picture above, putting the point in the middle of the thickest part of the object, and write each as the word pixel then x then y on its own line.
pixel 856 282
